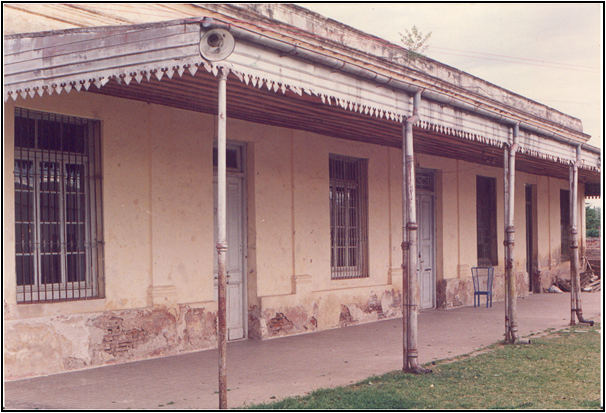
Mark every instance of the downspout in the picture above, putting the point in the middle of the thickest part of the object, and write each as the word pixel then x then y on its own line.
pixel 505 224
pixel 222 234
pixel 575 281
pixel 410 246
pixel 509 240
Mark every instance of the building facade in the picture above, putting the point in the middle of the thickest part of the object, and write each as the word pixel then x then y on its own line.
pixel 110 183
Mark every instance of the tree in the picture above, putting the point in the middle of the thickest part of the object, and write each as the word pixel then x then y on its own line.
pixel 593 218
pixel 414 43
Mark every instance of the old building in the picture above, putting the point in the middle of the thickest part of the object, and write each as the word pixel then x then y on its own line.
pixel 110 180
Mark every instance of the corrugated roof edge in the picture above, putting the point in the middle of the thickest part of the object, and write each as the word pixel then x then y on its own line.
pixel 195 20
pixel 571 123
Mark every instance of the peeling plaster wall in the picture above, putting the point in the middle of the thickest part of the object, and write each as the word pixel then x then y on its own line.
pixel 157 205
pixel 297 313
pixel 157 193
pixel 46 345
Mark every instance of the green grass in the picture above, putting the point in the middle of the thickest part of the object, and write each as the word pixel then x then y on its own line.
pixel 560 370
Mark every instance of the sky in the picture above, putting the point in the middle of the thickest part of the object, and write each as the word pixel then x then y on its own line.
pixel 549 52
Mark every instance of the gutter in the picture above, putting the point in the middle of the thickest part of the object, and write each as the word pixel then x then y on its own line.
pixel 361 72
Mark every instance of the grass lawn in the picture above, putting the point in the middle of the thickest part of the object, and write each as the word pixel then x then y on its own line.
pixel 560 370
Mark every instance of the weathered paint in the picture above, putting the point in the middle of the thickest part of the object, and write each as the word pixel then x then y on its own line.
pixel 302 312
pixel 158 224
pixel 39 17
pixel 46 345
pixel 222 246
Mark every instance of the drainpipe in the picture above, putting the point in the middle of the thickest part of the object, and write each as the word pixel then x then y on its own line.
pixel 509 240
pixel 506 221
pixel 410 246
pixel 222 234
pixel 575 281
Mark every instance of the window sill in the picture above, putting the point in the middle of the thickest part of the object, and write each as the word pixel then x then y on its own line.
pixel 50 309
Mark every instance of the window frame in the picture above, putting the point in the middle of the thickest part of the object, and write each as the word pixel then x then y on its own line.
pixel 565 223
pixel 487 212
pixel 350 218
pixel 81 204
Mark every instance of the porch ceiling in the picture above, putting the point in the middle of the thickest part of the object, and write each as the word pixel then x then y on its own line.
pixel 308 113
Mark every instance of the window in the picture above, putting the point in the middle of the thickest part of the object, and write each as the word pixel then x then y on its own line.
pixel 486 206
pixel 233 157
pixel 58 229
pixel 565 223
pixel 348 217
pixel 424 179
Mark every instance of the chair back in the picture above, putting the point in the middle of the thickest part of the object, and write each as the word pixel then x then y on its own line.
pixel 482 278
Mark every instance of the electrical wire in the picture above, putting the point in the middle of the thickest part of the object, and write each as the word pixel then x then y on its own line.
pixel 361 37
pixel 513 57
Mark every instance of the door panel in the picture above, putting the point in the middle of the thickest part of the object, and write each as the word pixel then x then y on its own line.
pixel 235 259
pixel 426 272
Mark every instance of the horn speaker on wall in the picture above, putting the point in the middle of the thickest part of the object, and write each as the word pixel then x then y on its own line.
pixel 217 44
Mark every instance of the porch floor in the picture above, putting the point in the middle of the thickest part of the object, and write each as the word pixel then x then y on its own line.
pixel 261 370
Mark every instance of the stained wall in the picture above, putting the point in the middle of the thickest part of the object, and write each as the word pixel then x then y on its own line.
pixel 158 226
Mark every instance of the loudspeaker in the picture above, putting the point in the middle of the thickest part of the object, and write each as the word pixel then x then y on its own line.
pixel 217 44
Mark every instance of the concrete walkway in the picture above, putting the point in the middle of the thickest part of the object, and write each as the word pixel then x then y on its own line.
pixel 259 371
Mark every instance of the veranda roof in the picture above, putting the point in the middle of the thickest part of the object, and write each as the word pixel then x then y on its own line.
pixel 289 83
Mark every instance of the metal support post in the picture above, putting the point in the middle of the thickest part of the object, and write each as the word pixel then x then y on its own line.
pixel 573 269
pixel 409 246
pixel 506 223
pixel 222 235
pixel 575 279
pixel 510 240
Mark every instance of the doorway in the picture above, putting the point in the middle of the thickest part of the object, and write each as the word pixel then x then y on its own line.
pixel 236 242
pixel 426 239
pixel 530 239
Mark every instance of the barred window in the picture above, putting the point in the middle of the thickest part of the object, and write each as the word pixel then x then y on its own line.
pixel 348 217
pixel 565 224
pixel 58 228
pixel 486 207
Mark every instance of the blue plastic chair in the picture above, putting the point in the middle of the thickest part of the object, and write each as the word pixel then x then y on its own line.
pixel 482 284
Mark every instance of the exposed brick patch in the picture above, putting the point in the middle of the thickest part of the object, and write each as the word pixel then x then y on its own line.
pixel 156 321
pixel 396 299
pixel 312 324
pixel 374 304
pixel 273 322
pixel 254 323
pixel 138 334
pixel 593 243
pixel 594 253
pixel 279 324
pixel 65 343
pixel 200 328
pixel 118 340
pixel 345 317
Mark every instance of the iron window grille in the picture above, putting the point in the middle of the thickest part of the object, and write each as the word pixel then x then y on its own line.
pixel 58 217
pixel 425 179
pixel 348 217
